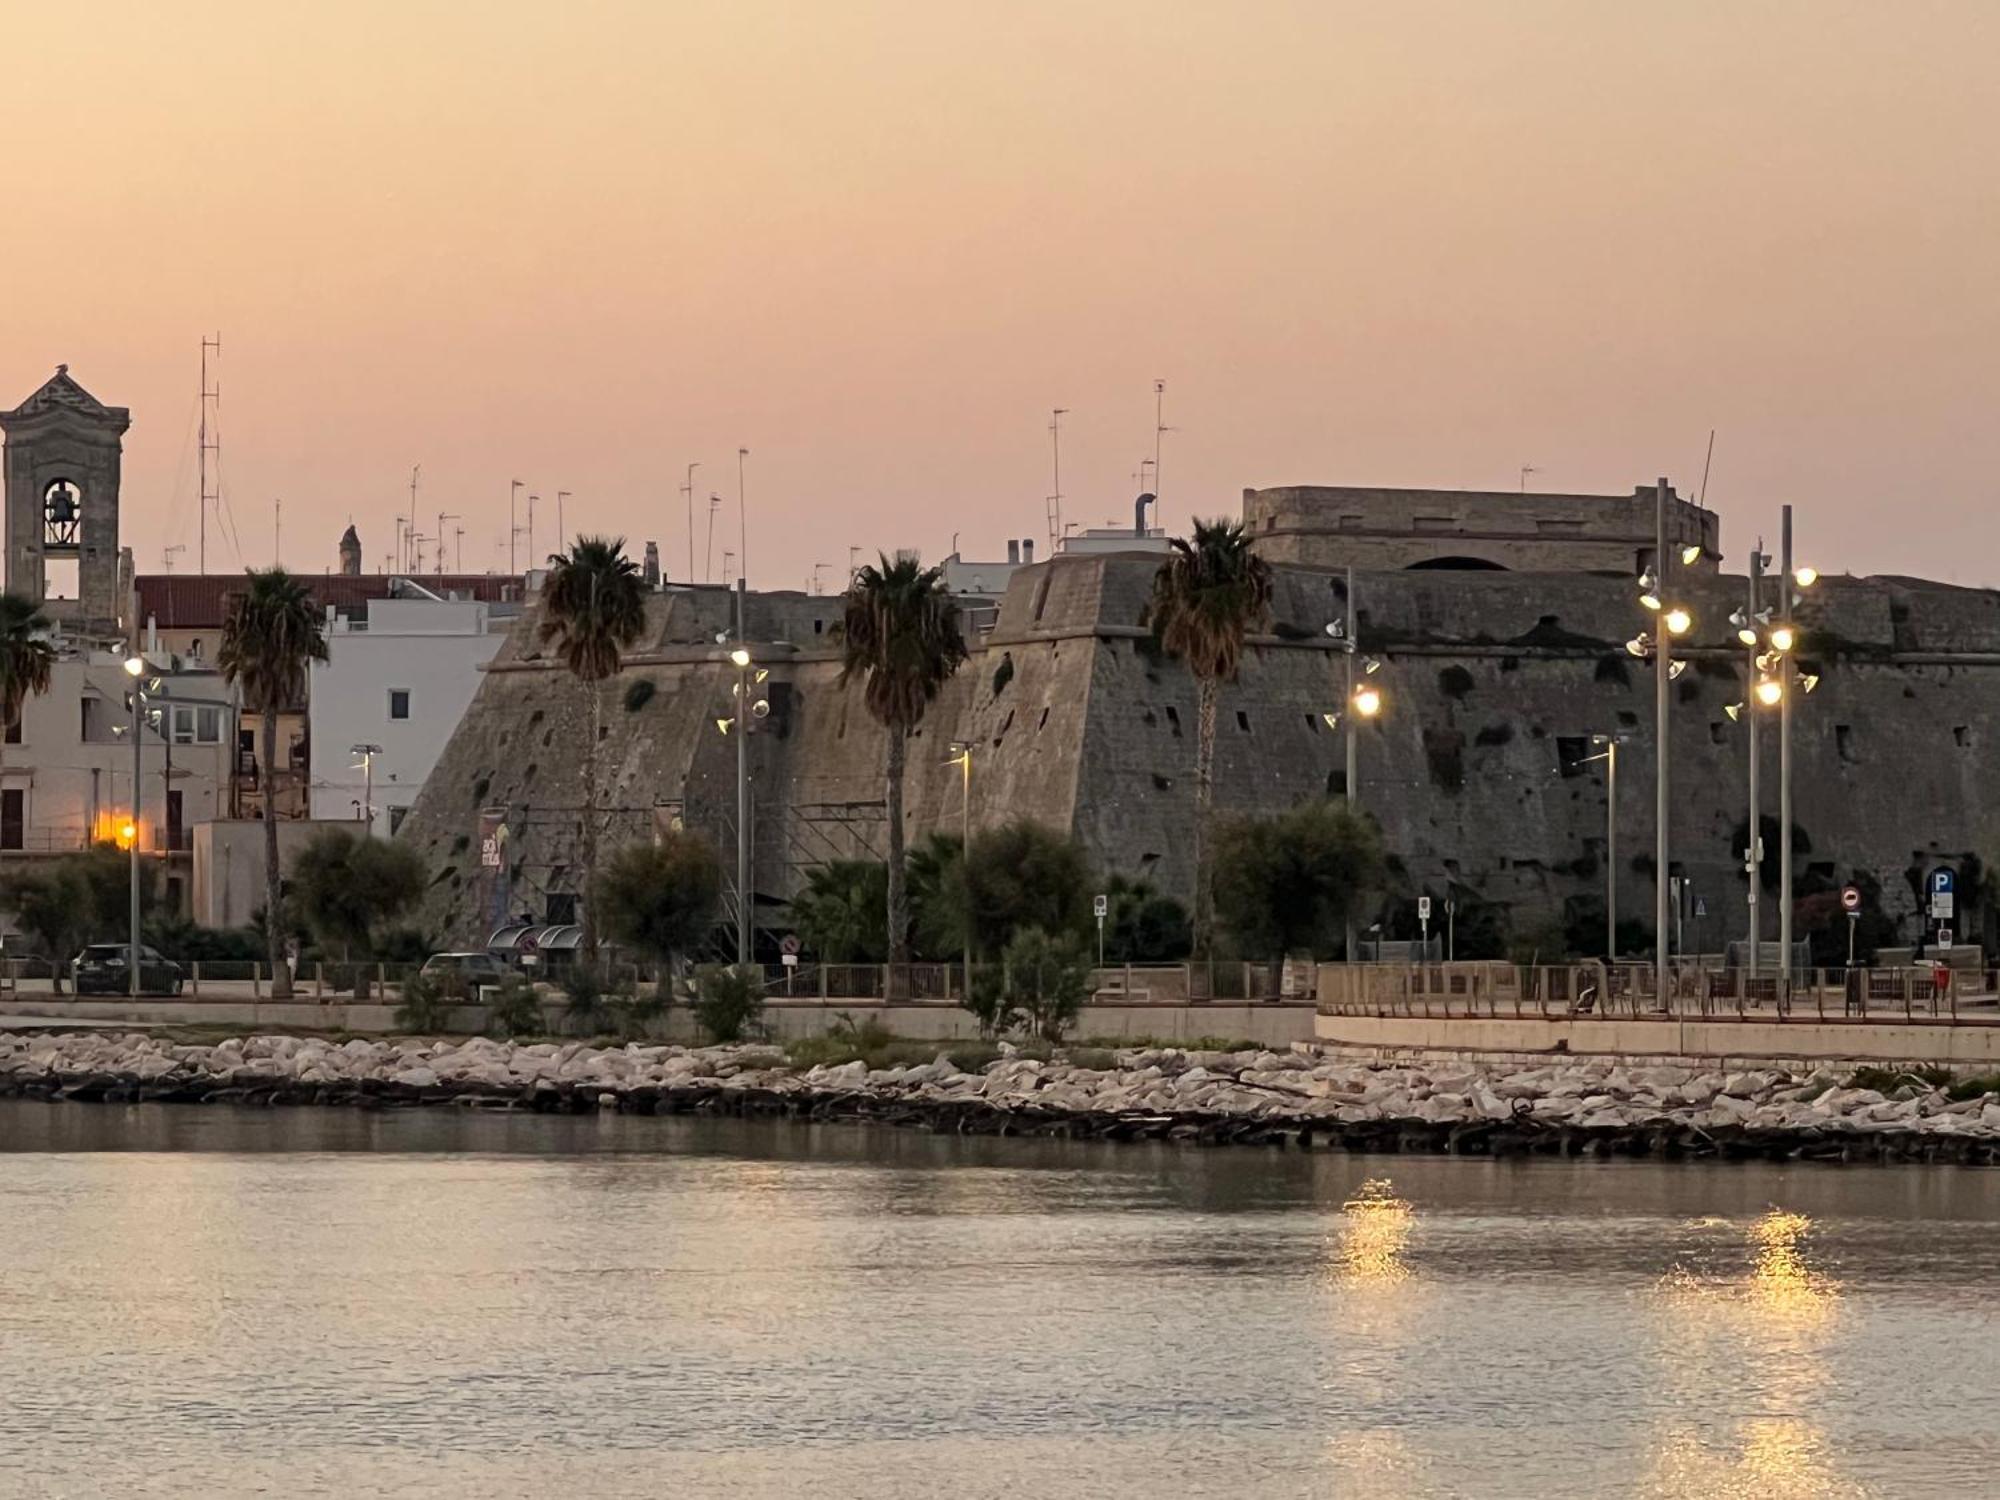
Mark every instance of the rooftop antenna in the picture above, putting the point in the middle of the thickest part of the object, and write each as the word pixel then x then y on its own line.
pixel 444 516
pixel 414 564
pixel 1701 500
pixel 458 548
pixel 277 532
pixel 728 561
pixel 532 498
pixel 687 493
pixel 396 562
pixel 853 563
pixel 514 488
pixel 708 556
pixel 1526 470
pixel 1160 430
pixel 208 440
pixel 1056 414
pixel 562 532
pixel 818 587
pixel 167 557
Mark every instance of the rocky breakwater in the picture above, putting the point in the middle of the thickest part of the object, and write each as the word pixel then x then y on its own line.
pixel 1253 1097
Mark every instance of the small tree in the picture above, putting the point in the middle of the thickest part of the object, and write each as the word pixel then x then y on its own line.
pixel 52 905
pixel 838 915
pixel 660 898
pixel 729 1001
pixel 1288 884
pixel 348 889
pixel 1047 980
pixel 26 658
pixel 1144 925
pixel 1024 874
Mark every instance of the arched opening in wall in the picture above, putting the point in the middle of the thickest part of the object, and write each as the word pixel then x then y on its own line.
pixel 1457 564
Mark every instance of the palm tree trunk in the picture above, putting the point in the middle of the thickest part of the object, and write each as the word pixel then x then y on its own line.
pixel 589 841
pixel 1204 799
pixel 274 891
pixel 899 898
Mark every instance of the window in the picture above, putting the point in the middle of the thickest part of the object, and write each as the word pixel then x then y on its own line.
pixel 197 726
pixel 396 816
pixel 14 731
pixel 399 703
pixel 13 817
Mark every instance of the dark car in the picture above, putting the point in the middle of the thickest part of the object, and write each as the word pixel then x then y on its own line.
pixel 464 973
pixel 105 969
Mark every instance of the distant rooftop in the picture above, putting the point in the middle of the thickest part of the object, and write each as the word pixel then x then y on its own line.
pixel 194 601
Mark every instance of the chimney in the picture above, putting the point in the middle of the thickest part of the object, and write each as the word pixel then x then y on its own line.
pixel 1027 549
pixel 651 569
pixel 1139 514
pixel 1013 550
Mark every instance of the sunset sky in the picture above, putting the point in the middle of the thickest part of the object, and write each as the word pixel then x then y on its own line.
pixel 1404 244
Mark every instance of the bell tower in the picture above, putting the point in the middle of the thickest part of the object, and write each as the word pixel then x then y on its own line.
pixel 63 454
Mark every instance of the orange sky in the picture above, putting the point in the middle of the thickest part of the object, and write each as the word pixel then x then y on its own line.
pixel 1408 244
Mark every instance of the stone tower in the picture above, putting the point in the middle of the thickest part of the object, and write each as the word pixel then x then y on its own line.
pixel 63 455
pixel 350 552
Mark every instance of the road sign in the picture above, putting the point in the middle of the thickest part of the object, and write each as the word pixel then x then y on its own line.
pixel 1101 907
pixel 1941 903
pixel 1423 908
pixel 1700 907
pixel 789 960
pixel 1944 937
pixel 788 945
pixel 1850 898
pixel 1943 881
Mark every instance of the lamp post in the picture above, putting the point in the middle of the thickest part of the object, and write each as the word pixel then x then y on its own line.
pixel 135 667
pixel 1753 858
pixel 368 753
pixel 1785 580
pixel 1363 702
pixel 1655 593
pixel 962 758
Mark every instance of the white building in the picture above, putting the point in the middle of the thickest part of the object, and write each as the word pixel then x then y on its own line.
pixel 398 676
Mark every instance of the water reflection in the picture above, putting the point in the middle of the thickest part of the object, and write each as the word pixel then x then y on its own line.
pixel 1759 1336
pixel 1375 1230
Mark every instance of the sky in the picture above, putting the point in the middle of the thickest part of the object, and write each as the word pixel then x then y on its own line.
pixel 1413 244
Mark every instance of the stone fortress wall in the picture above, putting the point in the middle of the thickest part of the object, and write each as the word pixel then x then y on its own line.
pixel 1494 682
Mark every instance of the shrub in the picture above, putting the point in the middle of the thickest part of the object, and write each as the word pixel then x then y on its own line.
pixel 422 1006
pixel 514 1009
pixel 728 1001
pixel 587 1010
pixel 1047 979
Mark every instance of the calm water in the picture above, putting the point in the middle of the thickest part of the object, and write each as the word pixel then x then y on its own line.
pixel 201 1302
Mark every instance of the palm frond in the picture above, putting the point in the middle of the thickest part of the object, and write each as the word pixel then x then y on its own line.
pixel 272 631
pixel 899 634
pixel 593 606
pixel 1209 594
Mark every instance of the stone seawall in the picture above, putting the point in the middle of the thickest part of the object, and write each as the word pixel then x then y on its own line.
pixel 1260 1098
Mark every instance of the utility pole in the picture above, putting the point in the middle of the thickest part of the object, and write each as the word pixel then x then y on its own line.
pixel 1785 679
pixel 1348 715
pixel 208 441
pixel 135 668
pixel 1663 650
pixel 743 717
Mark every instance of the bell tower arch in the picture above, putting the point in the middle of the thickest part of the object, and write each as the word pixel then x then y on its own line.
pixel 64 450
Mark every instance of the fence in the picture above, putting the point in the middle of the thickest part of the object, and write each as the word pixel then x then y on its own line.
pixel 1495 991
pixel 1114 984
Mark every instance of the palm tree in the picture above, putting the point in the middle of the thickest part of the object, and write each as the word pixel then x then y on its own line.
pixel 25 659
pixel 899 631
pixel 593 609
pixel 271 633
pixel 1209 594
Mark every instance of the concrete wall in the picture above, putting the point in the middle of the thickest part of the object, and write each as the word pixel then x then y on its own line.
pixel 1962 1045
pixel 229 885
pixel 1377 529
pixel 1493 682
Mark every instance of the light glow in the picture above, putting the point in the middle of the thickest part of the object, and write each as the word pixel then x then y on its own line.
pixel 1367 702
pixel 1679 621
pixel 1770 691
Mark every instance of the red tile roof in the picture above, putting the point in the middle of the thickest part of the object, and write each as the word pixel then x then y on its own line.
pixel 194 601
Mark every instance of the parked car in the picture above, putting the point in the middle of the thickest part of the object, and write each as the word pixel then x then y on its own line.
pixel 104 969
pixel 464 973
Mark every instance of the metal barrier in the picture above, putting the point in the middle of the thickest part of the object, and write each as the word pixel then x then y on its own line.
pixel 1583 992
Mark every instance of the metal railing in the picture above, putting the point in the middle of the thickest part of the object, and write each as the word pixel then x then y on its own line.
pixel 1113 984
pixel 1626 992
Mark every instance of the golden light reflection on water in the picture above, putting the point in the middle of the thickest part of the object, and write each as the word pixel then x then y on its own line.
pixel 1770 1321
pixel 1375 1230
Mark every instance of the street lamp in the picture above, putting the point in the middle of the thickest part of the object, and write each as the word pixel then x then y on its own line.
pixel 747 711
pixel 135 668
pixel 1610 759
pixel 1363 702
pixel 1655 592
pixel 367 753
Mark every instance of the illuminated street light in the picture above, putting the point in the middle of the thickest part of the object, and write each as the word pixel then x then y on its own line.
pixel 740 657
pixel 1783 637
pixel 1367 702
pixel 1770 691
pixel 1679 621
pixel 1690 554
pixel 1805 578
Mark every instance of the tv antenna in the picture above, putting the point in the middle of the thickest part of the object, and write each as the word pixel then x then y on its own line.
pixel 1056 414
pixel 167 557
pixel 444 516
pixel 1160 430
pixel 208 440
pixel 1526 470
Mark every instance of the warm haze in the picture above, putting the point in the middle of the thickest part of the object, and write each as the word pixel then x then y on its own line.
pixel 1414 245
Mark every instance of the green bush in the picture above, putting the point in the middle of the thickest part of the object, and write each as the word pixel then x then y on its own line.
pixel 590 1004
pixel 422 1006
pixel 728 1001
pixel 513 1008
pixel 1047 980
